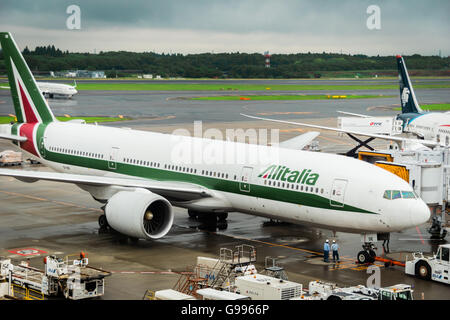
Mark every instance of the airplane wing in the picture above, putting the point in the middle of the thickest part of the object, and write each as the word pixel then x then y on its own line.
pixel 428 143
pixel 300 141
pixel 12 137
pixel 185 191
pixel 354 114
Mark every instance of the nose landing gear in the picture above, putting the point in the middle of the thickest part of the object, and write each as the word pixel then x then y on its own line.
pixel 367 255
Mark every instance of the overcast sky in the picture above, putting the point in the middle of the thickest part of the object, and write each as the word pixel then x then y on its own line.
pixel 194 26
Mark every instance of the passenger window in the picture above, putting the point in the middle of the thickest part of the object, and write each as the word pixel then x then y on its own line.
pixel 396 194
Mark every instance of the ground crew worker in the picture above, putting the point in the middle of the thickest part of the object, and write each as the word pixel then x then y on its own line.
pixel 326 251
pixel 335 248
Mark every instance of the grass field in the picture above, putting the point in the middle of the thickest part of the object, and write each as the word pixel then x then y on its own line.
pixel 240 87
pixel 8 119
pixel 433 107
pixel 288 97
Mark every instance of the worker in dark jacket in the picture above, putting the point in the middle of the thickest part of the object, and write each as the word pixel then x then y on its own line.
pixel 326 251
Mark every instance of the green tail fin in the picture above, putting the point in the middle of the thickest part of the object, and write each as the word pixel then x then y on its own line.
pixel 29 103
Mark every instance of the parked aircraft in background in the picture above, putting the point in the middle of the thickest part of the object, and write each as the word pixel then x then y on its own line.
pixel 431 128
pixel 55 90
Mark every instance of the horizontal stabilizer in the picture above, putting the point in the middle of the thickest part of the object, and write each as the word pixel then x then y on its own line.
pixel 354 114
pixel 12 137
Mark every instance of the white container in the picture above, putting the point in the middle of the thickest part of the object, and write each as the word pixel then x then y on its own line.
pixel 169 294
pixel 262 287
pixel 213 294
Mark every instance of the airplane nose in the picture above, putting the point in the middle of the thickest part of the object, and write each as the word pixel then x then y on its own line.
pixel 419 213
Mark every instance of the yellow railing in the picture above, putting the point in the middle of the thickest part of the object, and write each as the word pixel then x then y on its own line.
pixel 149 295
pixel 26 293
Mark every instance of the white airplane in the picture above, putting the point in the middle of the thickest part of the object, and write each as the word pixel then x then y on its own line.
pixel 139 176
pixel 432 126
pixel 55 90
pixel 426 125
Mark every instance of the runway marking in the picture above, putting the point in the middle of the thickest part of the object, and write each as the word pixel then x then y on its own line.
pixel 27 251
pixel 146 272
pixel 420 235
pixel 67 204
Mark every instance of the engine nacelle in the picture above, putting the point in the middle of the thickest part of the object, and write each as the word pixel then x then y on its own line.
pixel 140 214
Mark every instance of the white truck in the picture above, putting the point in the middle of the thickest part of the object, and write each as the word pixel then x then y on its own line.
pixel 319 290
pixel 435 267
pixel 73 279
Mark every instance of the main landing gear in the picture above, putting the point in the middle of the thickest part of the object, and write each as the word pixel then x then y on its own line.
pixel 220 217
pixel 103 222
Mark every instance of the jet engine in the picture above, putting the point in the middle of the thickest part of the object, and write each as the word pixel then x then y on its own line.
pixel 140 214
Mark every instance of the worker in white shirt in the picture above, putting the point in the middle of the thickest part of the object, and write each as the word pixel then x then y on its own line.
pixel 326 251
pixel 335 248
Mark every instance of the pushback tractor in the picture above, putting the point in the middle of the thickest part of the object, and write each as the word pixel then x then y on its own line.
pixel 434 267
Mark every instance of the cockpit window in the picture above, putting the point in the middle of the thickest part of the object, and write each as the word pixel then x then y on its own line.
pixel 408 195
pixel 397 194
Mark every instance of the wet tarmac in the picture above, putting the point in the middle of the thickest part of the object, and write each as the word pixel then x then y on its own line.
pixel 62 219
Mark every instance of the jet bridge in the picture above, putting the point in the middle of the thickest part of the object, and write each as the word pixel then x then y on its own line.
pixel 428 173
pixel 372 125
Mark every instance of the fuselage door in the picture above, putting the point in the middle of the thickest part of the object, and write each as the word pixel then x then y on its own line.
pixel 42 147
pixel 245 179
pixel 114 152
pixel 338 192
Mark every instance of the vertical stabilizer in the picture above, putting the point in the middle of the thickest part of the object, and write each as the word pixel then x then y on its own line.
pixel 407 96
pixel 29 103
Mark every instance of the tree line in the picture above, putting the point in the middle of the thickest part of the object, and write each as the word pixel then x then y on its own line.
pixel 224 65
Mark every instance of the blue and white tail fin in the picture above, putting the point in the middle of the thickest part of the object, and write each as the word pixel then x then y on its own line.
pixel 407 96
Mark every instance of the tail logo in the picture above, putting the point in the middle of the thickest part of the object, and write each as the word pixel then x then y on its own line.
pixel 28 109
pixel 405 96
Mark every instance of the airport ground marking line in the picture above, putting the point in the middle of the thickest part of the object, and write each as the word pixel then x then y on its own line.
pixel 272 244
pixel 67 204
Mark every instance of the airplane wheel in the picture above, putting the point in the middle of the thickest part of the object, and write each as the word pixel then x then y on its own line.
pixel 363 257
pixel 222 216
pixel 372 255
pixel 103 222
pixel 423 270
pixel 192 214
